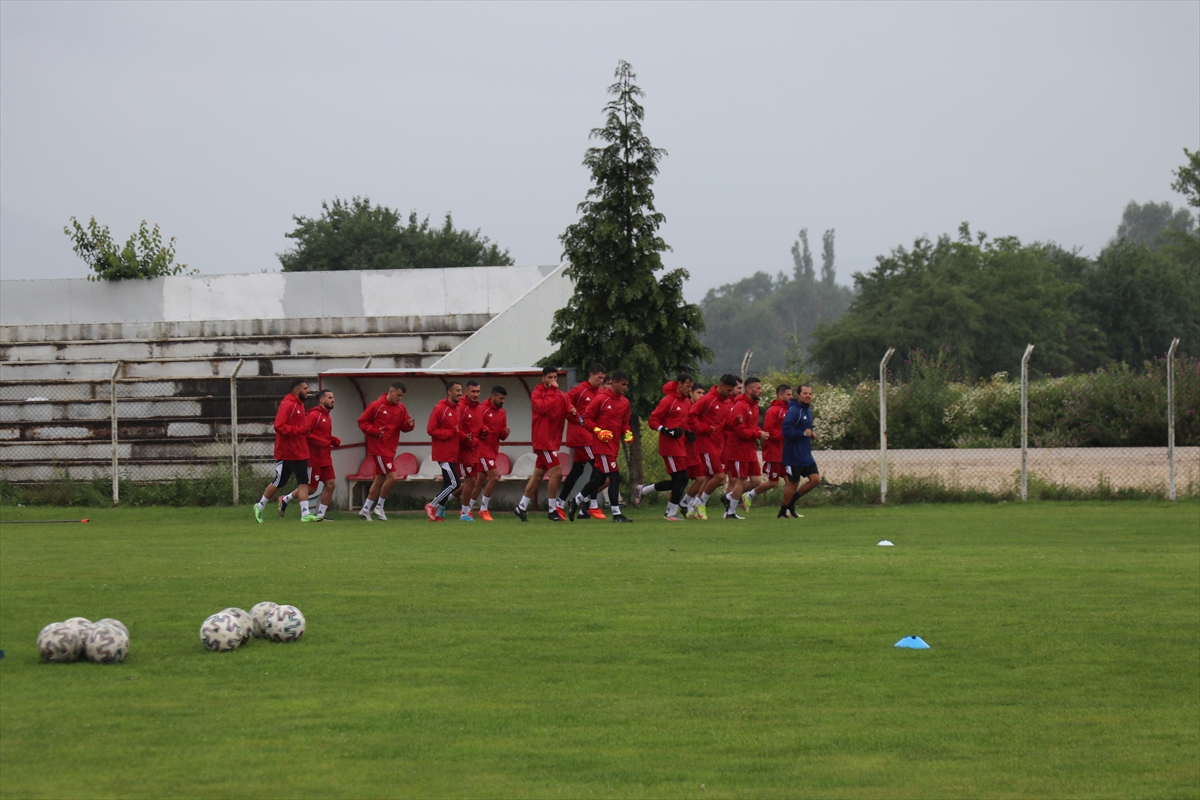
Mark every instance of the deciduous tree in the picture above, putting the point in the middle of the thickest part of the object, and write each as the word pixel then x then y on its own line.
pixel 143 256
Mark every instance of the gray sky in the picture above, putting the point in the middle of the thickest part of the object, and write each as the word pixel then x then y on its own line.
pixel 219 121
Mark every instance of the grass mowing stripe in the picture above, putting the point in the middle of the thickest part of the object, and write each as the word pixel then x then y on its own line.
pixel 592 659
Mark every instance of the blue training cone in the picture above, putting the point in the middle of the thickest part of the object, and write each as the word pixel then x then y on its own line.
pixel 913 643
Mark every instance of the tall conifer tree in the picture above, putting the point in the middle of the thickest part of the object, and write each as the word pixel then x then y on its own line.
pixel 621 313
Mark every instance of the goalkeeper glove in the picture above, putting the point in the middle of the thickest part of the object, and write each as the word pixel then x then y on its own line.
pixel 691 436
pixel 628 437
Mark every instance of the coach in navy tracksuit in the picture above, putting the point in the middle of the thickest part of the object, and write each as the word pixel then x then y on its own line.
pixel 798 461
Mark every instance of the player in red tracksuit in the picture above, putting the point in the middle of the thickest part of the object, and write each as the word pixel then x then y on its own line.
pixel 695 466
pixel 469 427
pixel 580 438
pixel 670 419
pixel 772 450
pixel 608 419
pixel 291 450
pixel 382 422
pixel 443 429
pixel 743 465
pixel 708 421
pixel 550 408
pixel 320 458
pixel 491 434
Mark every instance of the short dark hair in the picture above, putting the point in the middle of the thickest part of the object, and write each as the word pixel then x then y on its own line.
pixel 596 368
pixel 699 387
pixel 620 376
pixel 324 392
pixel 399 385
pixel 297 381
pixel 472 383
pixel 801 386
pixel 450 385
pixel 730 379
pixel 500 390
pixel 781 388
pixel 753 380
pixel 683 377
pixel 549 371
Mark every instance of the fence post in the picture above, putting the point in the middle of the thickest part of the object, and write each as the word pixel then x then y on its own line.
pixel 1171 418
pixel 883 424
pixel 112 396
pixel 233 425
pixel 746 364
pixel 1025 422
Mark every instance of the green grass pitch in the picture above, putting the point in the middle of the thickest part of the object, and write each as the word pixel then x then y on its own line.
pixel 698 659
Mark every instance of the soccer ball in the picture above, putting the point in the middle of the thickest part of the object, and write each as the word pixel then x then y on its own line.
pixel 106 644
pixel 221 632
pixel 116 623
pixel 285 624
pixel 258 616
pixel 244 620
pixel 58 641
pixel 80 625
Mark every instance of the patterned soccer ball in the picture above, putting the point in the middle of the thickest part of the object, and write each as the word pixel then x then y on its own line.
pixel 58 642
pixel 244 620
pixel 116 623
pixel 258 616
pixel 81 625
pixel 106 644
pixel 221 632
pixel 285 624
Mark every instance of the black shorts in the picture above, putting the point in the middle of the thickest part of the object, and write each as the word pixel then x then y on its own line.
pixel 286 470
pixel 797 471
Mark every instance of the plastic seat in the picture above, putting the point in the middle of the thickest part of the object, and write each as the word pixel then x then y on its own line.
pixel 503 465
pixel 523 467
pixel 430 471
pixel 405 465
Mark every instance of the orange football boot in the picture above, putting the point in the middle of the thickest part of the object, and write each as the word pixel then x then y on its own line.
pixel 596 513
pixel 485 515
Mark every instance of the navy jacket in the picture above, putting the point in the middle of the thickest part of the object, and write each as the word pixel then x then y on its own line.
pixel 797 448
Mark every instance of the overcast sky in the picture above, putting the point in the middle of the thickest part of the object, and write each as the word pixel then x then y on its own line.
pixel 219 121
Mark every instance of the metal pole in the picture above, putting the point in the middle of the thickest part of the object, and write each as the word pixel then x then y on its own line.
pixel 883 424
pixel 1025 422
pixel 233 425
pixel 112 395
pixel 1171 418
pixel 746 363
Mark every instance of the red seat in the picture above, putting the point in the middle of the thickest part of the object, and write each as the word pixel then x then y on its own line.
pixel 503 465
pixel 366 470
pixel 405 465
pixel 564 459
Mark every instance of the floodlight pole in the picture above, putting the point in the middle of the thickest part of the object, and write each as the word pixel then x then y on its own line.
pixel 883 424
pixel 1025 422
pixel 1171 418
pixel 233 426
pixel 112 396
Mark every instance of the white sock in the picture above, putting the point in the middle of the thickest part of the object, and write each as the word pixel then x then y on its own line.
pixel 748 495
pixel 263 503
pixel 379 503
pixel 464 511
pixel 672 509
pixel 483 502
pixel 524 504
pixel 304 508
pixel 616 509
pixel 367 505
pixel 648 489
pixel 703 498
pixel 321 509
pixel 287 498
pixel 687 501
pixel 593 504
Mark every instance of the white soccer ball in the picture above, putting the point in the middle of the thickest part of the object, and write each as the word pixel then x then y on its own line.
pixel 285 624
pixel 59 642
pixel 243 619
pixel 106 644
pixel 81 625
pixel 221 632
pixel 258 616
pixel 116 623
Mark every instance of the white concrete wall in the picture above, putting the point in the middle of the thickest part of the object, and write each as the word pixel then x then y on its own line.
pixel 272 295
pixel 517 337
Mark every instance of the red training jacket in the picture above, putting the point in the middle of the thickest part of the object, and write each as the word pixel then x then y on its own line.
pixel 470 421
pixel 773 424
pixel 671 412
pixel 746 431
pixel 320 437
pixel 291 425
pixel 580 398
pixel 708 421
pixel 382 422
pixel 443 429
pixel 549 407
pixel 608 412
pixel 493 431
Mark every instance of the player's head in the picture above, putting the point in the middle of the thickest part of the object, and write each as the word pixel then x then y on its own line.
pixel 727 385
pixel 499 395
pixel 753 388
pixel 396 391
pixel 325 398
pixel 453 391
pixel 620 383
pixel 300 387
pixel 698 391
pixel 804 395
pixel 473 390
pixel 550 377
pixel 683 383
pixel 596 374
pixel 783 392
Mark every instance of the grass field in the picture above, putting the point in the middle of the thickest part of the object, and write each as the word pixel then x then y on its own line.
pixel 700 659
